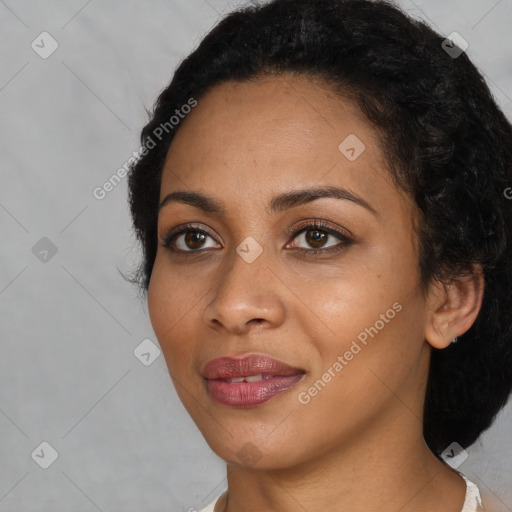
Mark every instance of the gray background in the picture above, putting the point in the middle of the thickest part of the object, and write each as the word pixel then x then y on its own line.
pixel 69 322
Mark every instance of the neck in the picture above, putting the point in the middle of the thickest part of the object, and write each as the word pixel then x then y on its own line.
pixel 371 472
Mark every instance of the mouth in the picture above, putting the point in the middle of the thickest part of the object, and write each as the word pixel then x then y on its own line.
pixel 250 380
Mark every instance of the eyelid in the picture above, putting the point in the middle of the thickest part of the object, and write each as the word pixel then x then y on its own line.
pixel 173 233
pixel 321 224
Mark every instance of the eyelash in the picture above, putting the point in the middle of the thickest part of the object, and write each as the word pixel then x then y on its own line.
pixel 316 225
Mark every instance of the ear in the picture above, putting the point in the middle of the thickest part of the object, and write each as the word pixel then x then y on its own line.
pixel 453 308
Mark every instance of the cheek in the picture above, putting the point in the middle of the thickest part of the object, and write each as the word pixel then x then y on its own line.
pixel 367 286
pixel 171 298
pixel 374 303
pixel 372 357
pixel 159 302
pixel 171 308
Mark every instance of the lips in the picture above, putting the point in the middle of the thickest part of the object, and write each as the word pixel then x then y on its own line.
pixel 253 365
pixel 250 380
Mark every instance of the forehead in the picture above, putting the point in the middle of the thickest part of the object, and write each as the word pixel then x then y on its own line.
pixel 275 133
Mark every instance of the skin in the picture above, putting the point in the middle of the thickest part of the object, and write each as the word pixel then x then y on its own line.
pixel 358 443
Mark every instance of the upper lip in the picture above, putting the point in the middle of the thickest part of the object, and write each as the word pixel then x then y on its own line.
pixel 228 367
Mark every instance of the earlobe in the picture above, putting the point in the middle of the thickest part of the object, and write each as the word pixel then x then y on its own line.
pixel 453 308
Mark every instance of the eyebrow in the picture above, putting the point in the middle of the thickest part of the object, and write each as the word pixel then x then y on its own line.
pixel 278 203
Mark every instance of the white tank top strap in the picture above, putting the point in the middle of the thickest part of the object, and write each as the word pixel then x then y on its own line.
pixel 473 502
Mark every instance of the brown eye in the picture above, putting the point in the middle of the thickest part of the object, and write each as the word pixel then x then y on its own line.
pixel 187 239
pixel 194 239
pixel 316 235
pixel 316 238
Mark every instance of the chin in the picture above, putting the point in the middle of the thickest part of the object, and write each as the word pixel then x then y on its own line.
pixel 254 450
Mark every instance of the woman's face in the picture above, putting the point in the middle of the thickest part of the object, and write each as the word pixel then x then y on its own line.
pixel 348 320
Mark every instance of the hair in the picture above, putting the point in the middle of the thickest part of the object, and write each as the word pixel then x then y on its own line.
pixel 446 142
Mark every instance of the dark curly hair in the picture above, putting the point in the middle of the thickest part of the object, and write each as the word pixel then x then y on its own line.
pixel 446 142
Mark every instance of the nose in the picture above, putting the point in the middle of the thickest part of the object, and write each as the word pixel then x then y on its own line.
pixel 248 294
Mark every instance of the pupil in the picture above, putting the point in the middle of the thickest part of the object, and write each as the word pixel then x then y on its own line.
pixel 316 238
pixel 193 238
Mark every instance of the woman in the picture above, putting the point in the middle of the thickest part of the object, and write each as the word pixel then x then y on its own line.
pixel 321 203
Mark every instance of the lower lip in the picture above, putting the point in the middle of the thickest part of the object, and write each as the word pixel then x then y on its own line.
pixel 248 394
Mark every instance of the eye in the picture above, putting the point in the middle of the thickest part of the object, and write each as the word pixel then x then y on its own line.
pixel 193 239
pixel 316 234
